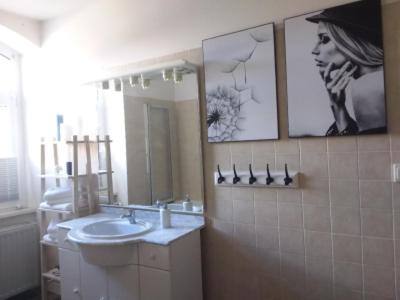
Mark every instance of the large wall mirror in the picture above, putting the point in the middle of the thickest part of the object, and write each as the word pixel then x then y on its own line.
pixel 153 119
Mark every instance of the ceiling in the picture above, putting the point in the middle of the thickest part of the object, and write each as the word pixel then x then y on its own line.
pixel 42 9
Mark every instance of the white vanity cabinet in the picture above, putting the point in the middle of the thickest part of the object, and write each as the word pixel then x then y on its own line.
pixel 171 272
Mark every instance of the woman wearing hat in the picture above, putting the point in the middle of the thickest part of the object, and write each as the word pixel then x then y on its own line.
pixel 349 56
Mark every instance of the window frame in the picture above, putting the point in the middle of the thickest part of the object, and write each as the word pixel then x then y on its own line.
pixel 17 116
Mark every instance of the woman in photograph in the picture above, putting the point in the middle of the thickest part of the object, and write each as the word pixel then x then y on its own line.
pixel 349 56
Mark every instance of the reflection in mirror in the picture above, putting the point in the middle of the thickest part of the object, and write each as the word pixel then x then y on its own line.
pixel 154 122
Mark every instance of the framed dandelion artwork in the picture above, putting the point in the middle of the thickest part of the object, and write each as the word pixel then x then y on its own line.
pixel 241 85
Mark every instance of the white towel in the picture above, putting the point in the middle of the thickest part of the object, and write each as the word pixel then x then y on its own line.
pixel 57 193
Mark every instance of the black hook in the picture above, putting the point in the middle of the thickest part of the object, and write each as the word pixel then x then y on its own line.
pixel 252 179
pixel 221 178
pixel 236 178
pixel 269 178
pixel 287 178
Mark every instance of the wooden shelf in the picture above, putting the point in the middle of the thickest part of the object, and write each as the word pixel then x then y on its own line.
pixel 53 274
pixel 58 211
pixel 66 176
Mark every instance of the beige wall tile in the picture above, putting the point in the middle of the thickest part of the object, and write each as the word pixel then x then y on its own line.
pixel 346 220
pixel 395 141
pixel 377 223
pixel 317 218
pixel 241 155
pixel 293 268
pixel 319 278
pixel 315 191
pixel 373 143
pixel 314 165
pixel 313 145
pixel 345 193
pixel 266 213
pixel 396 196
pixel 376 194
pixel 346 294
pixel 290 215
pixel 287 146
pixel 347 275
pixel 379 281
pixel 318 244
pixel 244 235
pixel 291 240
pixel 396 219
pixel 268 263
pixel 379 252
pixel 347 248
pixel 342 144
pixel 343 166
pixel 374 165
pixel 243 206
pixel 292 161
pixel 289 196
pixel 267 238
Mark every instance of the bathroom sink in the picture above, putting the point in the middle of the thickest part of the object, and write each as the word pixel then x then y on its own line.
pixel 109 242
pixel 114 229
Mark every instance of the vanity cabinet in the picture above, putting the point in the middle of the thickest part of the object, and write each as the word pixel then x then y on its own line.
pixel 171 272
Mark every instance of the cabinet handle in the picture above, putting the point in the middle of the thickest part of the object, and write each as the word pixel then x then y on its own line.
pixel 75 291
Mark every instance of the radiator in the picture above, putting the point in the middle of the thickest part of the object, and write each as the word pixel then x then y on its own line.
pixel 19 259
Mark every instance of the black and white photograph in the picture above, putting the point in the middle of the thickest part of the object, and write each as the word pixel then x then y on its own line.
pixel 241 85
pixel 335 71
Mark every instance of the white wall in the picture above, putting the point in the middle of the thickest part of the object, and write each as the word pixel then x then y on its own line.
pixel 115 32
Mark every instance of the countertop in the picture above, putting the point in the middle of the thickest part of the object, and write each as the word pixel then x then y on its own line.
pixel 181 225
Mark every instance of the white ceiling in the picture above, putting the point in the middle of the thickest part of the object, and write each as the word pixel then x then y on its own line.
pixel 42 9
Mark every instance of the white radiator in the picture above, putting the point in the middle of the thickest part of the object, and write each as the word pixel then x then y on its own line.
pixel 19 259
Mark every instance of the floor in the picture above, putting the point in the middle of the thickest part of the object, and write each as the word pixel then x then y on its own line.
pixel 33 294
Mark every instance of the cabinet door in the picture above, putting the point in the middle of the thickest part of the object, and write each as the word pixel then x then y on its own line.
pixel 123 283
pixel 94 281
pixel 70 279
pixel 154 284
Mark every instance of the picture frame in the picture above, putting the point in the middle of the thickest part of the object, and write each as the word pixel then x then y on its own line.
pixel 240 85
pixel 335 71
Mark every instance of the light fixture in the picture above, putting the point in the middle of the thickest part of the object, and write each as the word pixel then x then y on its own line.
pixel 105 85
pixel 167 74
pixel 145 82
pixel 178 77
pixel 134 80
pixel 117 84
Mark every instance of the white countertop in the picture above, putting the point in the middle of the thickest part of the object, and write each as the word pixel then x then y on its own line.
pixel 181 225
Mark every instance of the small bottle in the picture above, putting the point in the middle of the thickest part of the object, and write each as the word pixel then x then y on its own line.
pixel 165 216
pixel 187 204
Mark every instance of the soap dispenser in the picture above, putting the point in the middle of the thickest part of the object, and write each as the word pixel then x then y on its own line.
pixel 187 204
pixel 165 216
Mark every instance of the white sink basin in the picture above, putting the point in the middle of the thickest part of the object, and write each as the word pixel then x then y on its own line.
pixel 113 229
pixel 109 242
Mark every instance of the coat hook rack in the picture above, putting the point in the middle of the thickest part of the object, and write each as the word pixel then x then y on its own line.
pixel 288 180
pixel 221 178
pixel 236 178
pixel 252 179
pixel 269 178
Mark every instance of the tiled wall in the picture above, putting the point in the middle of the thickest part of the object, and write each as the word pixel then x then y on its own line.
pixel 337 237
pixel 334 238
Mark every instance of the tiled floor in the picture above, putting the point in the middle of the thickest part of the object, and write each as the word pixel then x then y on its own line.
pixel 33 294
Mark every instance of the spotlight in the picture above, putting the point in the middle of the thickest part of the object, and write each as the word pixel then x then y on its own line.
pixel 145 82
pixel 167 74
pixel 134 80
pixel 105 85
pixel 117 84
pixel 178 77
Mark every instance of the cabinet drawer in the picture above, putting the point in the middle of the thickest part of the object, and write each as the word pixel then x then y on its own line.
pixel 63 241
pixel 154 256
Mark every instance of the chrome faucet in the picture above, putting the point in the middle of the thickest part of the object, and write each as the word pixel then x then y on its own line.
pixel 130 216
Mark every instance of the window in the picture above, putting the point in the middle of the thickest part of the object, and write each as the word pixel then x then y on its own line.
pixel 10 124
